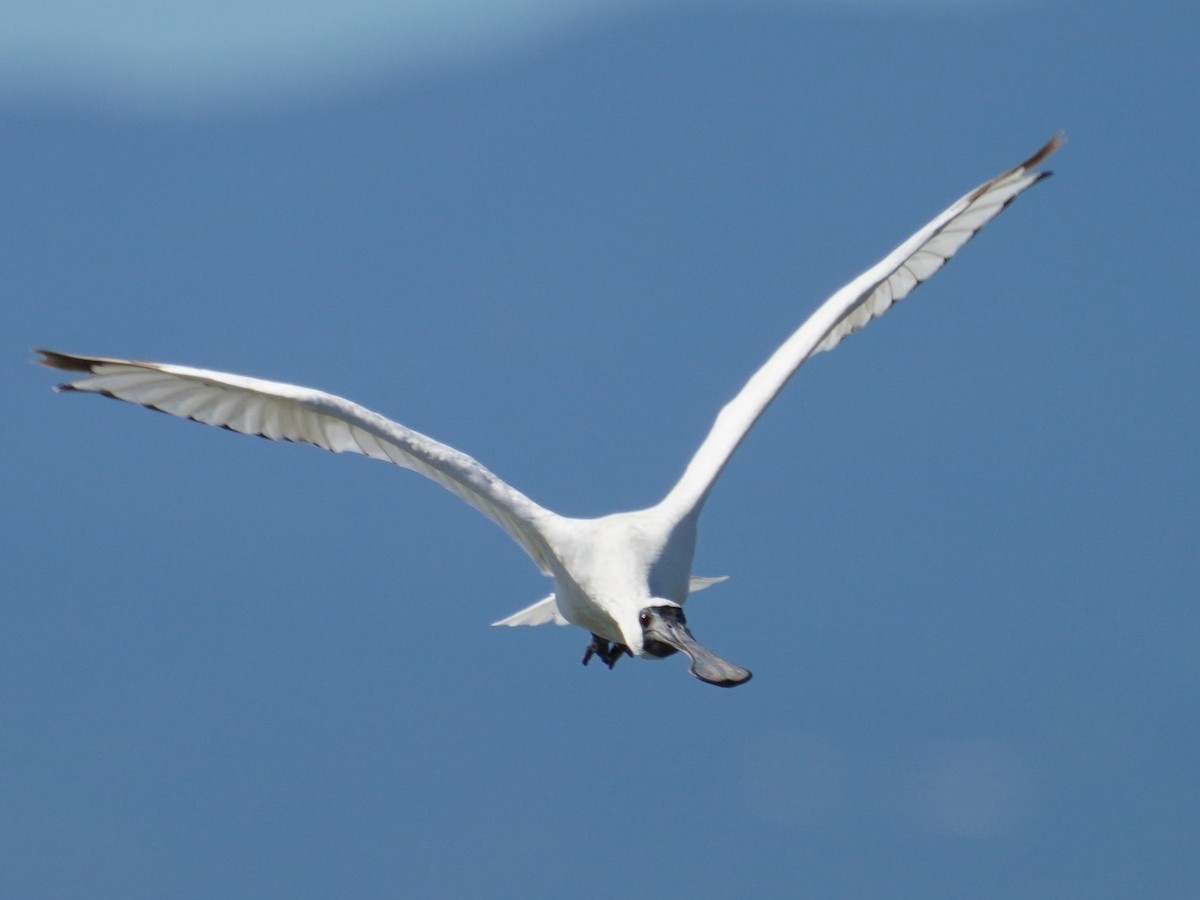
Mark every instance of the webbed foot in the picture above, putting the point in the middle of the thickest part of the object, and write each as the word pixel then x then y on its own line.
pixel 607 653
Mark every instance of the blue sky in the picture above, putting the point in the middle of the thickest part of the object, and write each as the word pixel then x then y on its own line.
pixel 961 547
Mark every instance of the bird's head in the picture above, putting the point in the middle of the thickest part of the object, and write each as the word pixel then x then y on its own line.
pixel 663 630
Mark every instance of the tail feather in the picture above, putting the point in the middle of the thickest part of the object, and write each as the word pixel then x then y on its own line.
pixel 545 610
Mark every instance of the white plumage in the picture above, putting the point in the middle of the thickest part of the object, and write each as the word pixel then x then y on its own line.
pixel 623 577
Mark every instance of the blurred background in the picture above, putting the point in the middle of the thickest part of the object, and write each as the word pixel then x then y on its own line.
pixel 962 547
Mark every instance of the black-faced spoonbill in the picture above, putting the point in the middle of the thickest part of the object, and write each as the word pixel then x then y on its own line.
pixel 622 577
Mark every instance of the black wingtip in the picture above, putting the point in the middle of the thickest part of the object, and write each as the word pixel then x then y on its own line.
pixel 1045 150
pixel 55 360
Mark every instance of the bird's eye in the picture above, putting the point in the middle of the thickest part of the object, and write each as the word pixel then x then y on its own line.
pixel 644 619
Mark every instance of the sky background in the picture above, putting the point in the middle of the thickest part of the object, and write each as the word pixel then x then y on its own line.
pixel 962 547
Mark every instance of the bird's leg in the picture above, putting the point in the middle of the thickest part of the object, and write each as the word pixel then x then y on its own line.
pixel 616 652
pixel 594 647
pixel 607 653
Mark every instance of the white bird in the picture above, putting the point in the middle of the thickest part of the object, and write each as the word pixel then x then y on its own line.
pixel 623 577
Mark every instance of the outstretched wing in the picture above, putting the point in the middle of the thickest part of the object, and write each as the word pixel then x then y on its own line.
pixel 288 412
pixel 866 297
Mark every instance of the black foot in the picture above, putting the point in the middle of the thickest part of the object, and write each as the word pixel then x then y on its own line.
pixel 607 653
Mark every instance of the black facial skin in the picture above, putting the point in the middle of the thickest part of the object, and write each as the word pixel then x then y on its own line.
pixel 665 631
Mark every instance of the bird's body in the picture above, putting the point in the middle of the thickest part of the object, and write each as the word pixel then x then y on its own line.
pixel 609 568
pixel 623 577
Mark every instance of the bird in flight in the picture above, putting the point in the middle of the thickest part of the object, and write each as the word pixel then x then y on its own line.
pixel 622 577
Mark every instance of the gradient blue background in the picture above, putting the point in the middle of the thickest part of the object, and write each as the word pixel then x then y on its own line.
pixel 962 547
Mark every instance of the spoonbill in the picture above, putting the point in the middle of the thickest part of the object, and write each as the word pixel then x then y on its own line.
pixel 622 577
